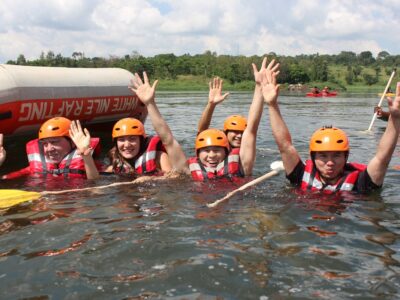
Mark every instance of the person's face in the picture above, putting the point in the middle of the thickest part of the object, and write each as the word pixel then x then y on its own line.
pixel 211 156
pixel 56 148
pixel 234 138
pixel 330 165
pixel 128 146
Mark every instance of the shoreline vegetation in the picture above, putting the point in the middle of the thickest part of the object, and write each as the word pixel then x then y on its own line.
pixel 346 72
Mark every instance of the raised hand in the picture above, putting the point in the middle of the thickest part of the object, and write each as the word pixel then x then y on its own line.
pixel 2 150
pixel 270 88
pixel 143 90
pixel 215 94
pixel 257 73
pixel 81 138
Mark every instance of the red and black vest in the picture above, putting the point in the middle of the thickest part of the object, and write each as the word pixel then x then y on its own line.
pixel 72 164
pixel 146 163
pixel 311 179
pixel 230 166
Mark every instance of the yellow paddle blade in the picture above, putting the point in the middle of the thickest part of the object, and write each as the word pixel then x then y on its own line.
pixel 387 94
pixel 10 198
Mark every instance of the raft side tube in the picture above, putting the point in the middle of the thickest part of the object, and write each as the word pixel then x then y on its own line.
pixel 31 95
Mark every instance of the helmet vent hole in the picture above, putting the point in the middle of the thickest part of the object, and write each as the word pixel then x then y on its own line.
pixel 219 138
pixel 55 128
pixel 117 129
pixel 134 127
pixel 201 140
pixel 340 141
pixel 318 141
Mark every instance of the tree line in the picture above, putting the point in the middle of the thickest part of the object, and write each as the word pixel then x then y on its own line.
pixel 294 69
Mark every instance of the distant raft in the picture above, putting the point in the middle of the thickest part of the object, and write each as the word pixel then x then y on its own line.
pixel 322 94
pixel 31 95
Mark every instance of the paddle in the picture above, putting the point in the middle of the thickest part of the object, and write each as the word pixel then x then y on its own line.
pixel 383 96
pixel 276 167
pixel 9 198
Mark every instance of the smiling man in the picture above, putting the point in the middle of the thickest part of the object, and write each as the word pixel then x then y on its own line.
pixel 328 170
pixel 62 149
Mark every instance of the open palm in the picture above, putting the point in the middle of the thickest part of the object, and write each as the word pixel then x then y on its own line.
pixel 215 94
pixel 81 138
pixel 270 88
pixel 143 90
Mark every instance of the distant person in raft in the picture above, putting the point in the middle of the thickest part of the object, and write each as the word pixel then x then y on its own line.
pixel 215 156
pixel 315 90
pixel 381 114
pixel 62 149
pixel 328 170
pixel 134 152
pixel 2 150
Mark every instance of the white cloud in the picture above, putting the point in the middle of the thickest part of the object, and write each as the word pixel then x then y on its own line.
pixel 117 27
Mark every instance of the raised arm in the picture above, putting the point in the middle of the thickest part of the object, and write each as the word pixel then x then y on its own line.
pixel 214 97
pixel 280 131
pixel 81 139
pixel 2 150
pixel 146 94
pixel 249 138
pixel 378 165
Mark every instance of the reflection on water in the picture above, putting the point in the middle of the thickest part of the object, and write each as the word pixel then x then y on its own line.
pixel 159 240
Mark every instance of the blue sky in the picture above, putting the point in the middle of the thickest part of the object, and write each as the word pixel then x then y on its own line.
pixel 107 28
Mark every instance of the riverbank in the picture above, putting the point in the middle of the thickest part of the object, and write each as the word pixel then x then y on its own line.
pixel 200 83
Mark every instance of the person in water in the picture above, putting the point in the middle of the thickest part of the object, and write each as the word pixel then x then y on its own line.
pixel 215 156
pixel 2 150
pixel 328 169
pixel 136 153
pixel 62 149
pixel 235 125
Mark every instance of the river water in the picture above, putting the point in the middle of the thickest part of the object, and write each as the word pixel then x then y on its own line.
pixel 160 241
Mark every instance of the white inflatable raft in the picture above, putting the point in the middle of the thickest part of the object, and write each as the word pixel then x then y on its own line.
pixel 31 95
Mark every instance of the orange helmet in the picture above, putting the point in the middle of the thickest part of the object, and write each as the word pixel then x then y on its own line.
pixel 235 122
pixel 55 127
pixel 128 126
pixel 329 139
pixel 211 137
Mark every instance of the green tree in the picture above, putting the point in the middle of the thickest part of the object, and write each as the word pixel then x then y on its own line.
pixel 382 55
pixel 357 72
pixel 346 58
pixel 21 60
pixel 319 69
pixel 365 58
pixel 297 74
pixel 370 79
pixel 349 75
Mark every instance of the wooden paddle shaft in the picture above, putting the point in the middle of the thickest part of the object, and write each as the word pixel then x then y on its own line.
pixel 243 187
pixel 383 96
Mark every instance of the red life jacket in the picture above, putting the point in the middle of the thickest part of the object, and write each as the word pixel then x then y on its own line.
pixel 72 164
pixel 146 163
pixel 311 178
pixel 230 166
